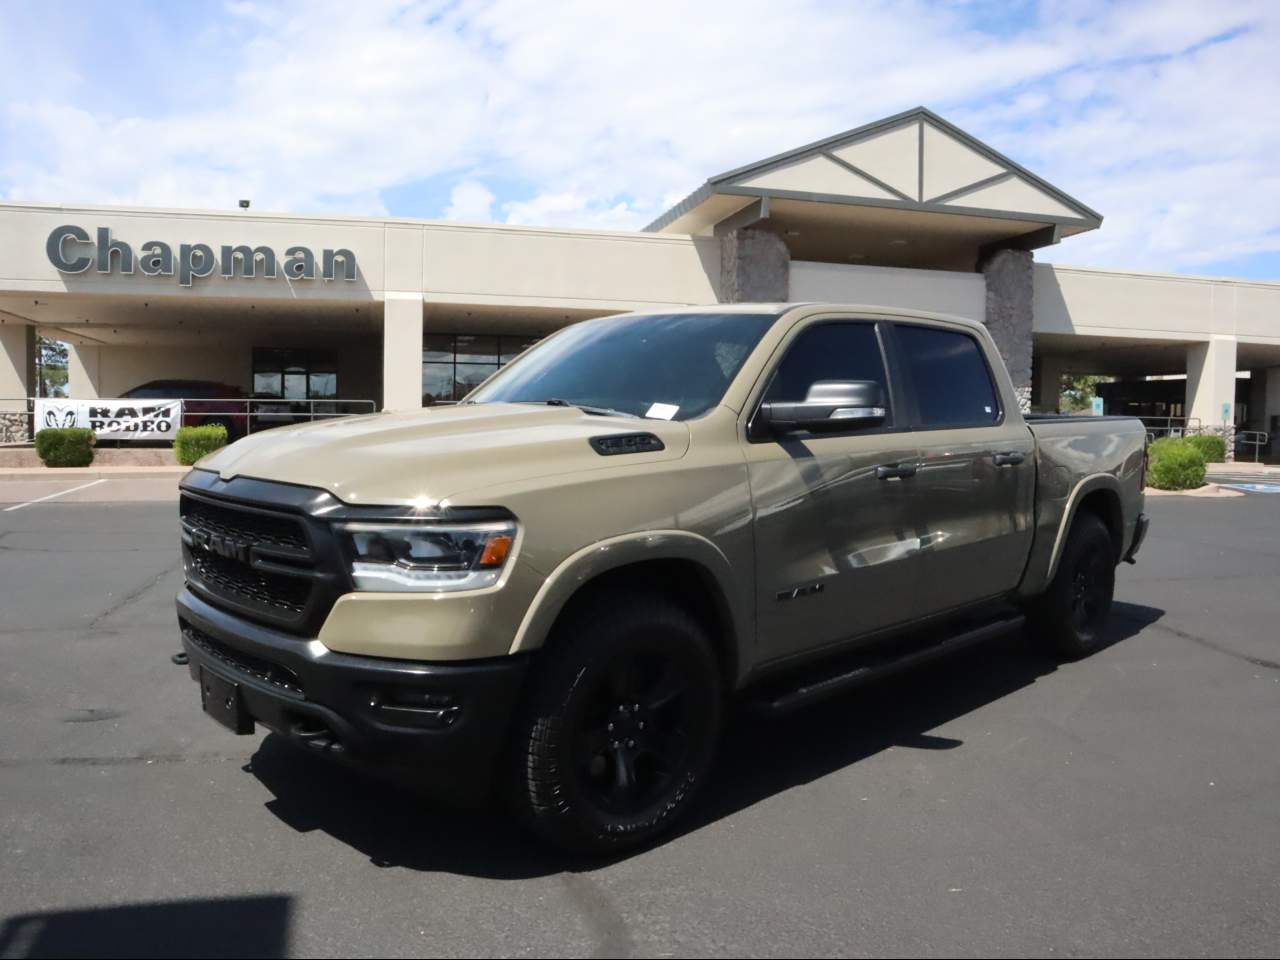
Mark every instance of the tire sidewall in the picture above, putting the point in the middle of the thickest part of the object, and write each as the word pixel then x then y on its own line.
pixel 1088 535
pixel 564 691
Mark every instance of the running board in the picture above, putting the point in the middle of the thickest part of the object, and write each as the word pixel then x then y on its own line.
pixel 811 685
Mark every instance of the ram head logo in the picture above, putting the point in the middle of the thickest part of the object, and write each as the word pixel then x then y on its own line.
pixel 60 418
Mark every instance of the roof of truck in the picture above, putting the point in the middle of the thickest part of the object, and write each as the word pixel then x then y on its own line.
pixel 818 306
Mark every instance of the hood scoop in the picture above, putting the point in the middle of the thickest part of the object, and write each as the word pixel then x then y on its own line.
pixel 614 444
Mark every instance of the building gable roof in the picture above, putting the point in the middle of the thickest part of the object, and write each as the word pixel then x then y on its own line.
pixel 914 160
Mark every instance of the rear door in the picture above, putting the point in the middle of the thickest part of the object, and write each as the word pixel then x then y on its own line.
pixel 975 484
pixel 835 544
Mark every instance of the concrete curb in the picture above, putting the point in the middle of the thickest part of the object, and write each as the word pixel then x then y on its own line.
pixel 1241 468
pixel 91 473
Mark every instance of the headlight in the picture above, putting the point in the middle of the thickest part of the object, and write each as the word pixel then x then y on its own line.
pixel 408 557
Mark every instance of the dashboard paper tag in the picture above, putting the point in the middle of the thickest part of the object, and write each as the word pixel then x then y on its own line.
pixel 662 411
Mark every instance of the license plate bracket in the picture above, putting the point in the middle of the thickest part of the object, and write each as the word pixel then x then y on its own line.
pixel 221 700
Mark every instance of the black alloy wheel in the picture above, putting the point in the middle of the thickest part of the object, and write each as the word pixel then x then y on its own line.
pixel 632 732
pixel 623 716
pixel 1070 617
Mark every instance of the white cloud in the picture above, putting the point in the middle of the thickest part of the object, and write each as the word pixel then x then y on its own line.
pixel 569 207
pixel 610 112
pixel 470 200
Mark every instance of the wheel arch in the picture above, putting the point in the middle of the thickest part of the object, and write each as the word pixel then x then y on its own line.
pixel 676 562
pixel 1100 495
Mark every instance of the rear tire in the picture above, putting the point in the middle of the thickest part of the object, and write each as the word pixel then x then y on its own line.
pixel 621 725
pixel 1070 617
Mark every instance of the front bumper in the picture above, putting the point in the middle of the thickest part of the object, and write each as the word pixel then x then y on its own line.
pixel 446 721
pixel 1139 534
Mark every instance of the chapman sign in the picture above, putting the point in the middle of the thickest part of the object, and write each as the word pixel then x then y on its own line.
pixel 71 250
pixel 112 419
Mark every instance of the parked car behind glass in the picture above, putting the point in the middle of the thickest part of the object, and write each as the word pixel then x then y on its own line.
pixel 204 402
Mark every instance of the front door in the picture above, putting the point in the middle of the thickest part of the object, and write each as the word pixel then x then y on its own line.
pixel 976 479
pixel 836 550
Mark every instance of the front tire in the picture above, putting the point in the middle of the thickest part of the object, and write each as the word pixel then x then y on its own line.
pixel 621 724
pixel 1072 614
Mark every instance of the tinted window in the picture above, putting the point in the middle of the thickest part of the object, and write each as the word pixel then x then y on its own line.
pixel 294 374
pixel 952 384
pixel 455 364
pixel 829 351
pixel 682 363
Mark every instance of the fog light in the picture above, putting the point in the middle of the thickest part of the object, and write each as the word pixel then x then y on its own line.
pixel 415 708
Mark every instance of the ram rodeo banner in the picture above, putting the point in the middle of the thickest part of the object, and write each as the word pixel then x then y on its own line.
pixel 550 593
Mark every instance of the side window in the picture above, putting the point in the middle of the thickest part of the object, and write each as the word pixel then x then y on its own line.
pixel 828 351
pixel 952 384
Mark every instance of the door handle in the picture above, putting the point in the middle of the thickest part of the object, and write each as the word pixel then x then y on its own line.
pixel 894 471
pixel 1010 458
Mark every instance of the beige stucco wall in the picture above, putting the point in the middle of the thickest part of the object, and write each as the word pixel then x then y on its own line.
pixel 1158 306
pixel 944 291
pixel 620 271
pixel 446 262
pixel 108 371
pixel 16 364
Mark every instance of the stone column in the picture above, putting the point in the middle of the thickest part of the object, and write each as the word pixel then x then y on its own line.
pixel 755 267
pixel 1009 298
pixel 1211 387
pixel 402 351
pixel 17 377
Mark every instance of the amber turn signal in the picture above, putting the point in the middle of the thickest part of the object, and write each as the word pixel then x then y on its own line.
pixel 495 551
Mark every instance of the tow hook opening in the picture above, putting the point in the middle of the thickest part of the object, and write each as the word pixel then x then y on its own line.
pixel 315 735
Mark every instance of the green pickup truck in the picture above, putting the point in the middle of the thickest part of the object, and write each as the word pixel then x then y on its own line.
pixel 551 592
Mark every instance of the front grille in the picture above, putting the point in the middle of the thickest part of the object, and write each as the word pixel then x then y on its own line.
pixel 255 562
pixel 284 595
pixel 265 670
pixel 242 524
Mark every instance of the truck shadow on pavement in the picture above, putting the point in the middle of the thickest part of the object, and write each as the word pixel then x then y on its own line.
pixel 225 927
pixel 396 826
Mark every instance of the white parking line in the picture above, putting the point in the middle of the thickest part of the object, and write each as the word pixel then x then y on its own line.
pixel 83 486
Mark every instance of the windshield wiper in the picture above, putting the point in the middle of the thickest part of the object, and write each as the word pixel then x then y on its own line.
pixel 585 408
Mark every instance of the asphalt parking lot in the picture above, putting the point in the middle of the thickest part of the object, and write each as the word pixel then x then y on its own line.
pixel 996 805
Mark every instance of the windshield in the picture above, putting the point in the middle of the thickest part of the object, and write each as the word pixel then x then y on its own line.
pixel 666 366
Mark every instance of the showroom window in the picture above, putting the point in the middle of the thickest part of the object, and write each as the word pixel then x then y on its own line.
pixel 294 374
pixel 454 364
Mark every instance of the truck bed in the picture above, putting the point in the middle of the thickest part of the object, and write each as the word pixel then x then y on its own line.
pixel 1077 457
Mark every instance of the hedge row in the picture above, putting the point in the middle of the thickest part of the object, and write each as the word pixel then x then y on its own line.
pixel 1177 462
pixel 1211 447
pixel 192 443
pixel 73 446
pixel 65 446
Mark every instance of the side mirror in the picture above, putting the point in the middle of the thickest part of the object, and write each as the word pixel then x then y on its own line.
pixel 828 406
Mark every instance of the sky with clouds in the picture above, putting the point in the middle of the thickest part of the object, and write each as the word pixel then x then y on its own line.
pixel 1161 115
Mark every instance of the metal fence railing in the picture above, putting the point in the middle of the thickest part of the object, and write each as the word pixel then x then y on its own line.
pixel 1158 427
pixel 253 415
pixel 240 417
pixel 1258 439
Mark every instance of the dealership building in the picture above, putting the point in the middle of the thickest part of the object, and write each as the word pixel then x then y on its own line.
pixel 906 212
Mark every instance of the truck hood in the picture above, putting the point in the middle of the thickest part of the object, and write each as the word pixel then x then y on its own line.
pixel 429 456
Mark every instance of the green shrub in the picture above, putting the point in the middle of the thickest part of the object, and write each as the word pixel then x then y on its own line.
pixel 1176 464
pixel 65 446
pixel 192 443
pixel 1158 447
pixel 1212 448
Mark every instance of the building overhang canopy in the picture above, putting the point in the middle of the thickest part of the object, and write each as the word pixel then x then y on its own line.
pixel 909 190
